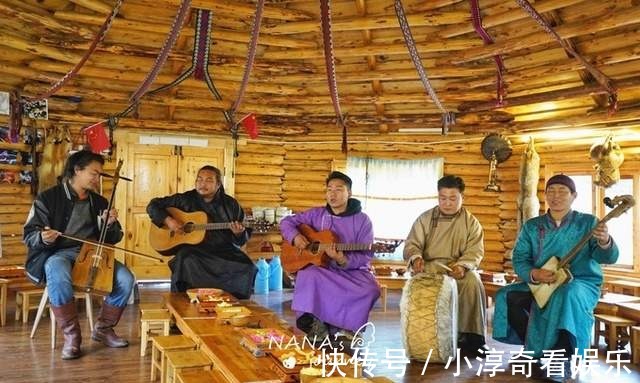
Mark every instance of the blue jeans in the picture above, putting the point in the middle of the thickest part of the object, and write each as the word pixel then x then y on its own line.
pixel 58 273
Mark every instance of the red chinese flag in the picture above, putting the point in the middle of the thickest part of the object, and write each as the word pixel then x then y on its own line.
pixel 97 137
pixel 250 124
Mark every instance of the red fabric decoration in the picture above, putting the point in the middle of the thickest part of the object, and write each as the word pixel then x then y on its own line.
pixel 250 124
pixel 97 137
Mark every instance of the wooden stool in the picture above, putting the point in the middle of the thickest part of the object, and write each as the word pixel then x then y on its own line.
pixel 210 376
pixel 180 360
pixel 150 307
pixel 616 329
pixel 43 303
pixel 383 297
pixel 635 344
pixel 161 344
pixel 24 305
pixel 153 323
pixel 3 300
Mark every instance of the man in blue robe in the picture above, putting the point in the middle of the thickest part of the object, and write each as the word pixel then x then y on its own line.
pixel 566 321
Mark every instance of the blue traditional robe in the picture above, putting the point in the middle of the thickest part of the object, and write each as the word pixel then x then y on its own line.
pixel 571 305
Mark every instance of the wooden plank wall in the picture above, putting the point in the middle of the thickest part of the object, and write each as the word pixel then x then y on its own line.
pixel 292 174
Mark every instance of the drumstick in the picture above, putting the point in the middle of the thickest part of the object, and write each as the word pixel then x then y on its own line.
pixel 443 266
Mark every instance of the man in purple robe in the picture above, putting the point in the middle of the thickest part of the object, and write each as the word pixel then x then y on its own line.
pixel 336 299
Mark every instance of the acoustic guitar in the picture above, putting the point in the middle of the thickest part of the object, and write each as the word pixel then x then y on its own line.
pixel 542 292
pixel 294 259
pixel 195 224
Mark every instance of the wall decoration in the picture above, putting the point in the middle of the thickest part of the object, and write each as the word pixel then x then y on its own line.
pixel 4 103
pixel 38 109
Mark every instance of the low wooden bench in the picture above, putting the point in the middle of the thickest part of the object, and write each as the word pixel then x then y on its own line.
pixel 211 376
pixel 177 361
pixel 635 344
pixel 162 344
pixel 616 329
pixel 389 283
pixel 3 301
pixel 24 303
pixel 153 323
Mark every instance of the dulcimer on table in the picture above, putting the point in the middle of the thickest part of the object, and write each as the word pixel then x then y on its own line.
pixel 294 259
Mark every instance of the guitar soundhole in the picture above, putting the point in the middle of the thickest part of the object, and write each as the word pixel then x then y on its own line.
pixel 188 227
pixel 314 247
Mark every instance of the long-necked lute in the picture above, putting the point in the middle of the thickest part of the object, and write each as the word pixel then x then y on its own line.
pixel 542 292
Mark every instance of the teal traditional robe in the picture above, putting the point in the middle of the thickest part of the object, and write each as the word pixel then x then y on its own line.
pixel 571 305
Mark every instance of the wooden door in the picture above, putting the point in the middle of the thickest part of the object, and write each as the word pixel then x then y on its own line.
pixel 158 170
pixel 154 170
pixel 192 159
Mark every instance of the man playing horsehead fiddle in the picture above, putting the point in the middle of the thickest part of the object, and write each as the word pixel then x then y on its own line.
pixel 74 208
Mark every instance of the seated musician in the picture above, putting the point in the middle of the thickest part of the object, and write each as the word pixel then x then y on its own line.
pixel 218 261
pixel 565 322
pixel 74 207
pixel 450 235
pixel 334 300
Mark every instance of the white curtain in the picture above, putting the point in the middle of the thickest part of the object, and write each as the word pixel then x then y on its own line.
pixel 394 192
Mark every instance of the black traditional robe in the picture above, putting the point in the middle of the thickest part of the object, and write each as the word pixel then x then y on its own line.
pixel 216 262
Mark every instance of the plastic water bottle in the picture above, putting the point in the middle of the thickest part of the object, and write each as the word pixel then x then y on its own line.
pixel 262 278
pixel 275 274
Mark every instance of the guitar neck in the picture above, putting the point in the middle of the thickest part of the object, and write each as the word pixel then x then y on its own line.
pixel 353 246
pixel 216 226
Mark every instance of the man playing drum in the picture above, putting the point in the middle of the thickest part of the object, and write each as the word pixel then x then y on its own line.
pixel 448 235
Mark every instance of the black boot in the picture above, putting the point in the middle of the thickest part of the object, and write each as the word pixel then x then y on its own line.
pixel 67 318
pixel 103 330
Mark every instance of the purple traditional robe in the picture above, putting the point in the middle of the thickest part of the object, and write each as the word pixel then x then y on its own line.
pixel 339 296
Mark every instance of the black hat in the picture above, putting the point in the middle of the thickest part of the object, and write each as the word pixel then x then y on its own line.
pixel 562 180
pixel 341 176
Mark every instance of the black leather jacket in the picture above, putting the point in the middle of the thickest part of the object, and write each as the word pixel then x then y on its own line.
pixel 53 208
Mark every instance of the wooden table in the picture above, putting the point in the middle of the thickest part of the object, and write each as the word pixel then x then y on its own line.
pixel 608 304
pixel 625 287
pixel 490 290
pixel 393 283
pixel 629 310
pixel 235 362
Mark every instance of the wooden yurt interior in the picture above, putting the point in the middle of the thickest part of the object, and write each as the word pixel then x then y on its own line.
pixel 493 77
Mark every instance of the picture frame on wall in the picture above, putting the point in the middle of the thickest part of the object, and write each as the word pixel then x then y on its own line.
pixel 4 103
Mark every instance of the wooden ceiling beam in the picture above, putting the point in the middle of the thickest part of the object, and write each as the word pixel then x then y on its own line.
pixel 115 75
pixel 247 10
pixel 358 23
pixel 217 33
pixel 176 125
pixel 454 47
pixel 563 94
pixel 489 21
pixel 15 42
pixel 94 5
pixel 45 21
pixel 584 27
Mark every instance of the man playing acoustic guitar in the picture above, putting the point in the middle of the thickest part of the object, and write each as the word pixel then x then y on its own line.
pixel 218 261
pixel 566 320
pixel 334 299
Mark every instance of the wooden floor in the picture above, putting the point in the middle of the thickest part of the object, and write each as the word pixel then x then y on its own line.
pixel 26 360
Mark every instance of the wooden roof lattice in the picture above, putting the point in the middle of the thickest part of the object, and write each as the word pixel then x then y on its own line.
pixel 380 89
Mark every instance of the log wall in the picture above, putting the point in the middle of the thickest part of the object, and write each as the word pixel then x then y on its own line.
pixel 292 174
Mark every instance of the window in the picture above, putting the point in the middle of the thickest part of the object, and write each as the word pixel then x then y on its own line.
pixel 623 228
pixel 394 193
